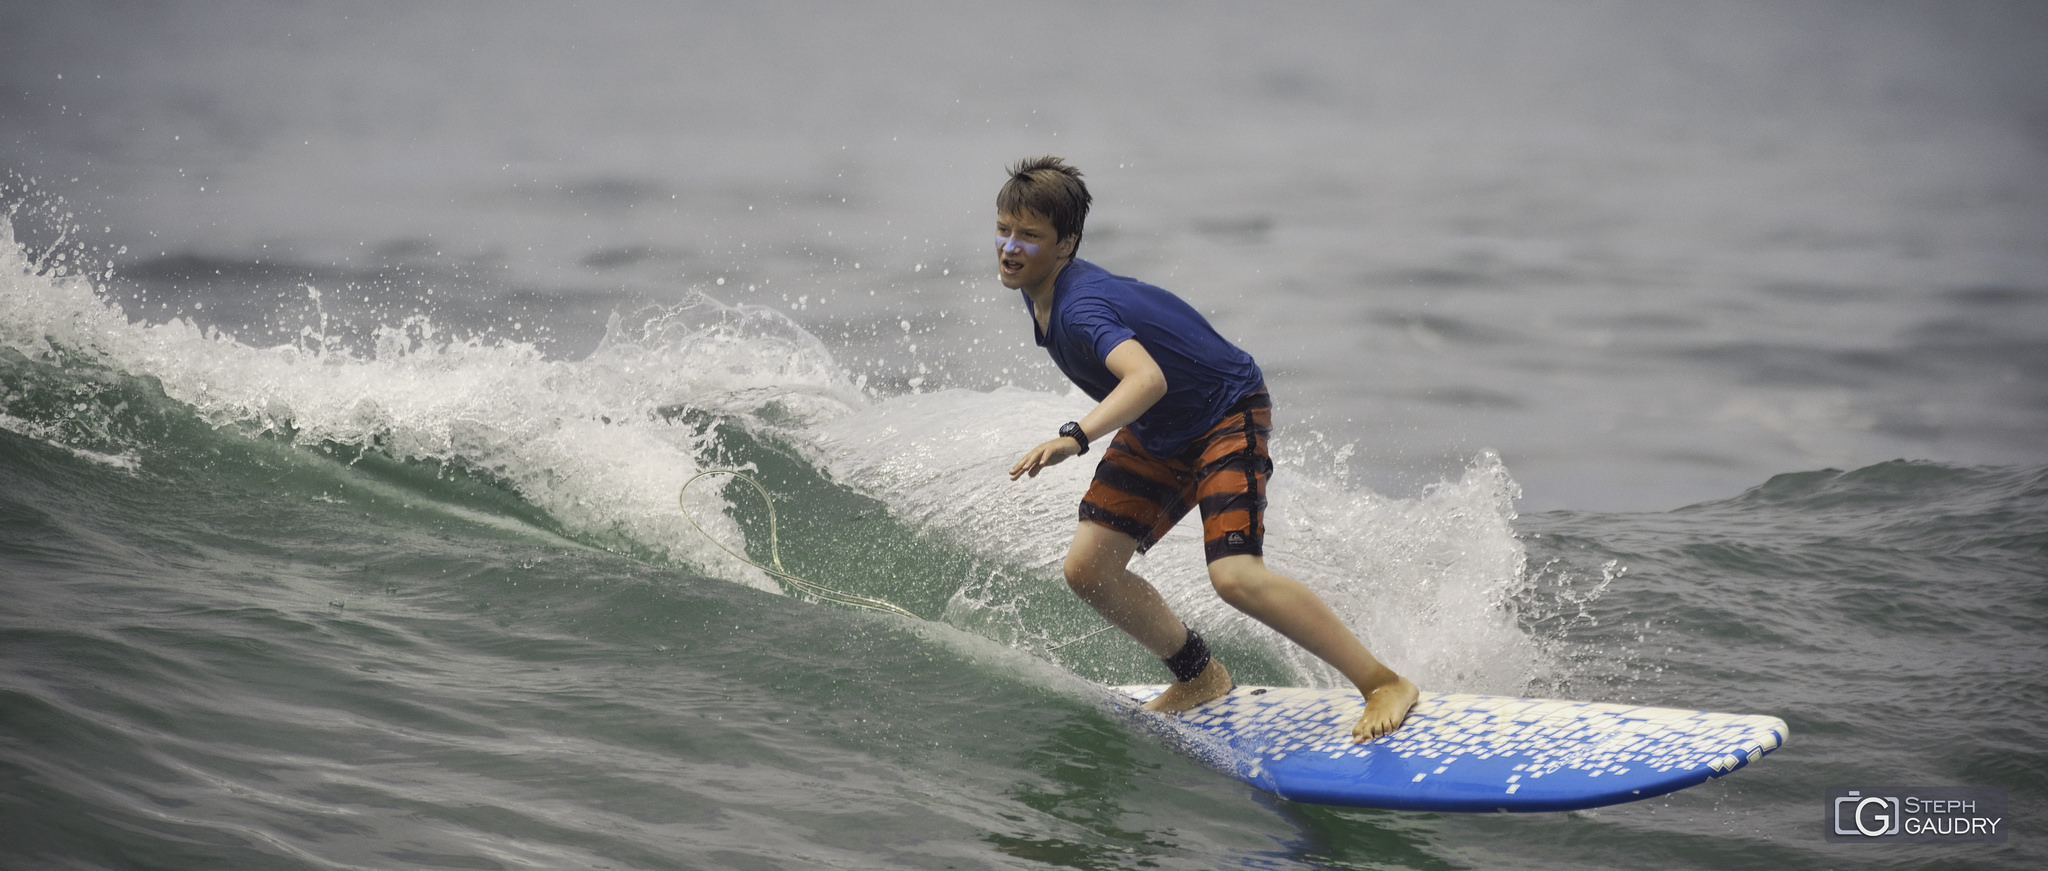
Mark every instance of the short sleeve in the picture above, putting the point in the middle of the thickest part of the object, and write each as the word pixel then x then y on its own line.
pixel 1095 319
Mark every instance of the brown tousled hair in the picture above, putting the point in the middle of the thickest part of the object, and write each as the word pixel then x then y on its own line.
pixel 1048 186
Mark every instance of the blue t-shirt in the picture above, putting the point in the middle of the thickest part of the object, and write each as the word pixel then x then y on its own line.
pixel 1094 311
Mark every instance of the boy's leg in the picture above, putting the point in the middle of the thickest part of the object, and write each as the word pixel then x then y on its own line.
pixel 1295 611
pixel 1097 570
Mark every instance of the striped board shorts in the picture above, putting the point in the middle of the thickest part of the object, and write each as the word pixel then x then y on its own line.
pixel 1224 471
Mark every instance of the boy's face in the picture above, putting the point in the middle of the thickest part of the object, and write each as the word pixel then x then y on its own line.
pixel 1028 252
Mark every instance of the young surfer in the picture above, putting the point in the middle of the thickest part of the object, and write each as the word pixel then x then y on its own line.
pixel 1191 417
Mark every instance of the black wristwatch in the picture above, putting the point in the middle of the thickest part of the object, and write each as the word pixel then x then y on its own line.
pixel 1072 430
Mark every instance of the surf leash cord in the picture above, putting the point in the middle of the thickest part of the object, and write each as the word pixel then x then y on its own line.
pixel 816 591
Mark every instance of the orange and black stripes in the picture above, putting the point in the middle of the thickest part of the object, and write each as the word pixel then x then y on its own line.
pixel 1223 473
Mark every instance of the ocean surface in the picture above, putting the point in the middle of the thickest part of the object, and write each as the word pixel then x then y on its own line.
pixel 361 367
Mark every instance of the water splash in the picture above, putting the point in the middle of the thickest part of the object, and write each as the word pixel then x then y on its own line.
pixel 1426 581
pixel 601 445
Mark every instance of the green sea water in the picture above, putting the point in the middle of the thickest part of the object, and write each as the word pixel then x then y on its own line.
pixel 356 362
pixel 230 646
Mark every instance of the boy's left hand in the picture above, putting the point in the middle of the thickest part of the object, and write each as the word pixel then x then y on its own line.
pixel 1047 454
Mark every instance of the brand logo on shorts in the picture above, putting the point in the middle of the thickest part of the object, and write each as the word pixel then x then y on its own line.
pixel 1233 538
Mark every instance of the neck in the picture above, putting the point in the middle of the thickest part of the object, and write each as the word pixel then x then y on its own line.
pixel 1041 293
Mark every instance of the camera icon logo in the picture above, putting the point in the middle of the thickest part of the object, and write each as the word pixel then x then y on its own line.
pixel 1870 816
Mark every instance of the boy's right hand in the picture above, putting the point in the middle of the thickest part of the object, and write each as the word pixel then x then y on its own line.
pixel 1047 454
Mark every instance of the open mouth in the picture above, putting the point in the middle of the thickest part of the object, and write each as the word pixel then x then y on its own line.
pixel 1012 255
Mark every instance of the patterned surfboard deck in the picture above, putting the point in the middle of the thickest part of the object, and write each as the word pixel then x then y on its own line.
pixel 1462 752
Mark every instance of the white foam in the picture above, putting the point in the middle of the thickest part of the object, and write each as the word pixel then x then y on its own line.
pixel 942 461
pixel 593 442
pixel 127 461
pixel 597 445
pixel 1423 580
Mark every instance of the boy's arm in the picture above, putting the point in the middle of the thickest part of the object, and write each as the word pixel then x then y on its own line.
pixel 1140 384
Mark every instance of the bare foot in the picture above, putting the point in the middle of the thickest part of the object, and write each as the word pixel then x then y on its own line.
pixel 1213 683
pixel 1385 707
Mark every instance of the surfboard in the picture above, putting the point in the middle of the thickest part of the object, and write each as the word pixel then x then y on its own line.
pixel 1461 752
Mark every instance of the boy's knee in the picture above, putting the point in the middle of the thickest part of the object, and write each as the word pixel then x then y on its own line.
pixel 1081 574
pixel 1235 581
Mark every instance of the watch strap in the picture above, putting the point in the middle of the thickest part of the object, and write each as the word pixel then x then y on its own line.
pixel 1072 429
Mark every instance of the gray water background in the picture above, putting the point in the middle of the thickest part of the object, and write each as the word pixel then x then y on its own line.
pixel 1652 253
pixel 1656 254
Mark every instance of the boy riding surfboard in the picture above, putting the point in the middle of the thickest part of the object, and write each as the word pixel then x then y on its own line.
pixel 1191 417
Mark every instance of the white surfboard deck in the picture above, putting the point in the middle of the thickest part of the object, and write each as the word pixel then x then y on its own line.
pixel 1462 752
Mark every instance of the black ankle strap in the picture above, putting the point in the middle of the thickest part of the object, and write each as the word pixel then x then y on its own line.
pixel 1191 660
